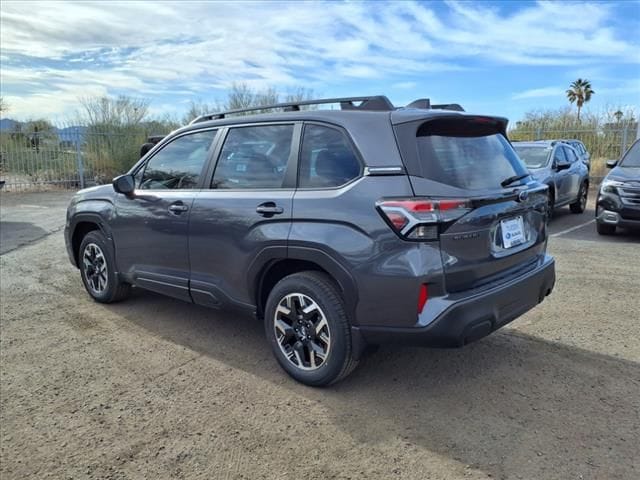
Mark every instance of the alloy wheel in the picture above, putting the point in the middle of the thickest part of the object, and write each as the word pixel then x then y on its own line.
pixel 583 197
pixel 95 268
pixel 302 331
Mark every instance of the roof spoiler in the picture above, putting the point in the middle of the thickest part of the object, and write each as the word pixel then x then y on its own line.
pixel 425 104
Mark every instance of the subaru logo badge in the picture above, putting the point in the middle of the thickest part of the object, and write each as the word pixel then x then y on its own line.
pixel 523 195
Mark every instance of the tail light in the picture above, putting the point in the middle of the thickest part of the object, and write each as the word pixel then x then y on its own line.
pixel 419 218
pixel 422 297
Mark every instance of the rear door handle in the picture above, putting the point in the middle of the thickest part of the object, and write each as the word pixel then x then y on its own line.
pixel 177 208
pixel 269 209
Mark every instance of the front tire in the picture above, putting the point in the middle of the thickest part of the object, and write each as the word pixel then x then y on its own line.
pixel 309 330
pixel 580 204
pixel 98 270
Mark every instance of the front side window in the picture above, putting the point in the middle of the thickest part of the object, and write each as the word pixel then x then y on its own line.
pixel 254 157
pixel 570 154
pixel 559 157
pixel 632 157
pixel 327 159
pixel 179 164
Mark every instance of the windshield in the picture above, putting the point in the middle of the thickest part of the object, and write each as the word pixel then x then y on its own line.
pixel 533 157
pixel 470 162
pixel 632 157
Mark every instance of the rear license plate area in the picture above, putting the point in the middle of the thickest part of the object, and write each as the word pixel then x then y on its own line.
pixel 513 233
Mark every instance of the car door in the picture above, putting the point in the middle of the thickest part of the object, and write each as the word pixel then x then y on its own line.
pixel 561 175
pixel 574 172
pixel 242 219
pixel 150 227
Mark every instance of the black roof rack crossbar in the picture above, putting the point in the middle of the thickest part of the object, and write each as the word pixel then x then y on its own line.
pixel 425 103
pixel 378 103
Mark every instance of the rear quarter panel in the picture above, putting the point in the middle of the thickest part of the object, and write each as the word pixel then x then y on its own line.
pixel 382 273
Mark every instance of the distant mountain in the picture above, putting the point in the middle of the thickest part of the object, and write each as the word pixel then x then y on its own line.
pixel 71 134
pixel 8 124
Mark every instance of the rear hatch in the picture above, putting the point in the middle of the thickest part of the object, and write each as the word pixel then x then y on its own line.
pixel 488 212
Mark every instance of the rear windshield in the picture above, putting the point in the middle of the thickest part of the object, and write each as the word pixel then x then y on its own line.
pixel 482 161
pixel 533 157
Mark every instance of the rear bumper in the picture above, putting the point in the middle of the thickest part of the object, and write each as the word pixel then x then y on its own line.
pixel 474 317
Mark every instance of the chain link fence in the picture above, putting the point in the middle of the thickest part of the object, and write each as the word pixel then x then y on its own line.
pixel 80 158
pixel 73 160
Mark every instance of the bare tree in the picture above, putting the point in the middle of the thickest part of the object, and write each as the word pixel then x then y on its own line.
pixel 4 106
pixel 240 96
pixel 300 94
pixel 114 131
pixel 122 111
pixel 197 108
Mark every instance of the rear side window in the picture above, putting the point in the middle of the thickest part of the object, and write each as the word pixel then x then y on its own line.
pixel 254 157
pixel 327 159
pixel 570 154
pixel 179 164
pixel 466 156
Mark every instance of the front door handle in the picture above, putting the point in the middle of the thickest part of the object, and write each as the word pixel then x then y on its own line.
pixel 177 208
pixel 269 209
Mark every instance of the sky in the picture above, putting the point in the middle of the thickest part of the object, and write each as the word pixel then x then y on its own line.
pixel 500 57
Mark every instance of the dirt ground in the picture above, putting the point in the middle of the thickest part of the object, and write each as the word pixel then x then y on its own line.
pixel 155 388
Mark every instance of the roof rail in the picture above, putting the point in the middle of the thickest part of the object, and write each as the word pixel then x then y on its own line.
pixel 425 103
pixel 378 103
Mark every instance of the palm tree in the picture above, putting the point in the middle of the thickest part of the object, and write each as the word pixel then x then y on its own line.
pixel 618 115
pixel 580 92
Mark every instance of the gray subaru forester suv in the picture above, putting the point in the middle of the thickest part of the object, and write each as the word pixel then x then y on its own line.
pixel 339 228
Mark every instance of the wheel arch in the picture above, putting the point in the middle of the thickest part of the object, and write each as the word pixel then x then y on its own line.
pixel 302 259
pixel 82 225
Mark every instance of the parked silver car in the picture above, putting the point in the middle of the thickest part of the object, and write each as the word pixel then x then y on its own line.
pixel 558 165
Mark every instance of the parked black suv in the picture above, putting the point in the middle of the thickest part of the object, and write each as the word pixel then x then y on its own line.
pixel 340 228
pixel 619 196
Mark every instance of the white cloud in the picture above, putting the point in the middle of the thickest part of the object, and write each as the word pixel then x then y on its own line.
pixel 160 48
pixel 405 85
pixel 539 93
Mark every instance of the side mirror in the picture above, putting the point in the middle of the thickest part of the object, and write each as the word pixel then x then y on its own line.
pixel 561 166
pixel 125 184
pixel 611 163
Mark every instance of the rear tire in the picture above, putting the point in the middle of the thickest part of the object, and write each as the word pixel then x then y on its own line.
pixel 605 229
pixel 580 204
pixel 98 270
pixel 309 330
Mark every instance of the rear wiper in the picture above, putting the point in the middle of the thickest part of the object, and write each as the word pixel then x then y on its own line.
pixel 515 178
